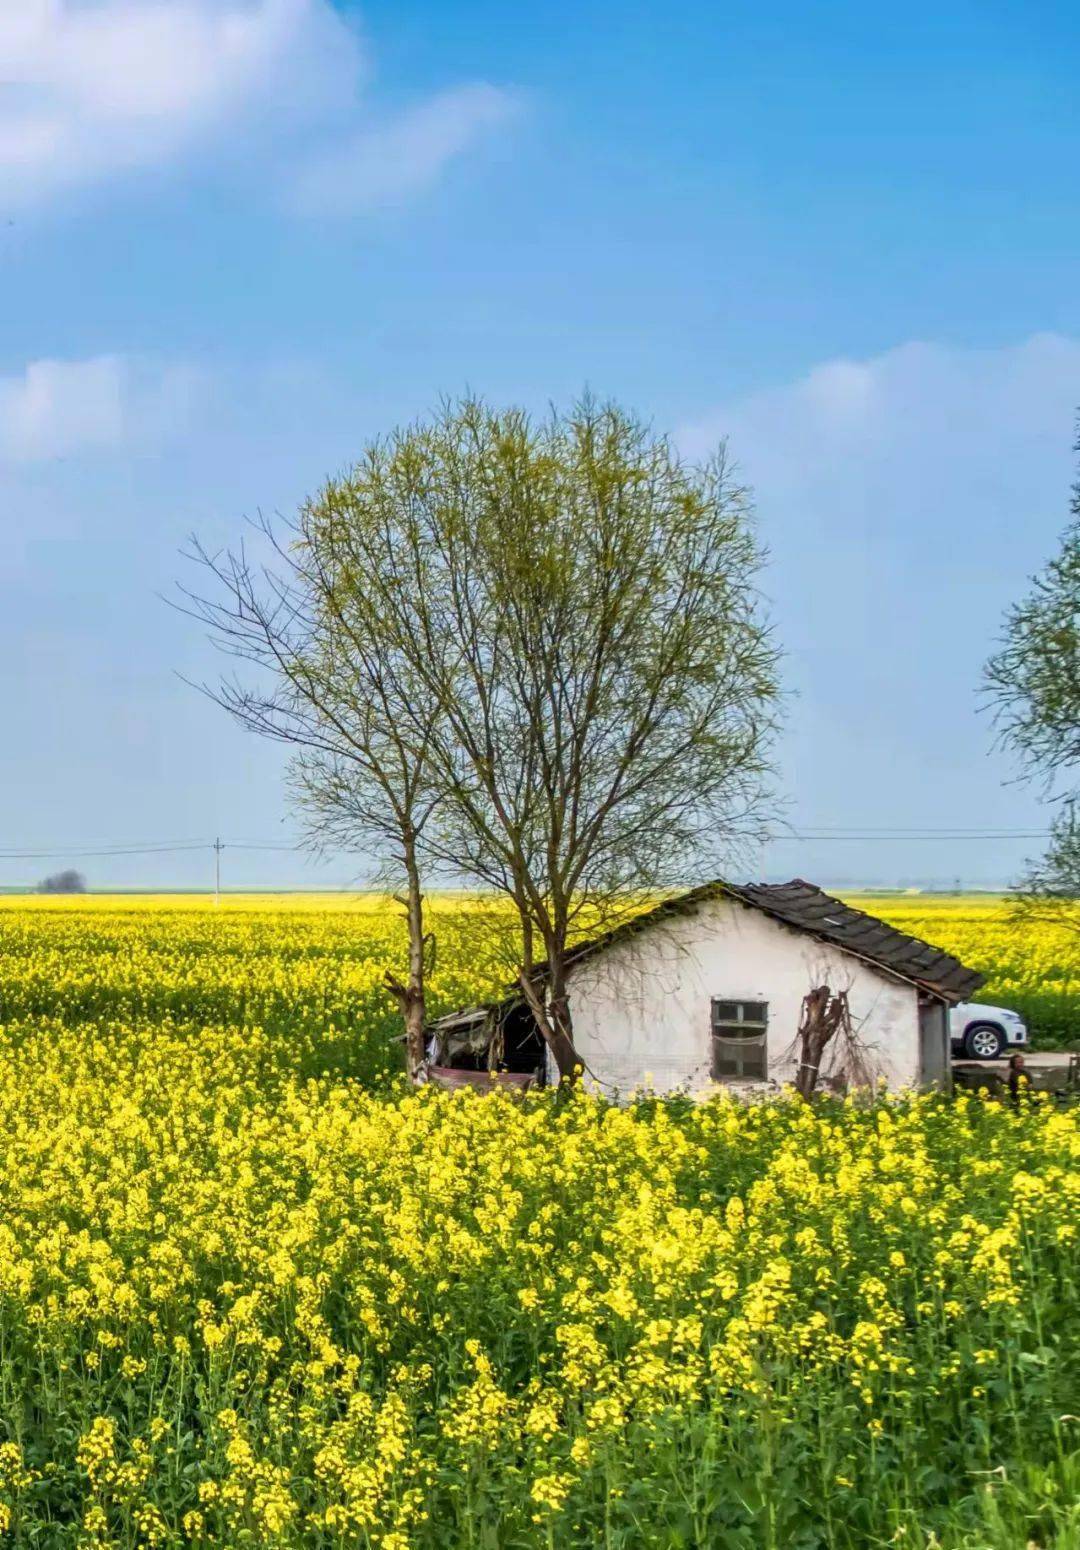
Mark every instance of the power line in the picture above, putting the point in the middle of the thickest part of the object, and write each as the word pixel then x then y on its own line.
pixel 905 836
pixel 952 832
pixel 249 845
pixel 75 853
pixel 82 851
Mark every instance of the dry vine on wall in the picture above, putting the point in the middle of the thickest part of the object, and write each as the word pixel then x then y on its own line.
pixel 828 1044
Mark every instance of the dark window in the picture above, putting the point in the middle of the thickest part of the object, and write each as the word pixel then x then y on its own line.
pixel 739 1030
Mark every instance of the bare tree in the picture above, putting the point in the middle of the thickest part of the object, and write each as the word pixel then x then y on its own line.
pixel 330 681
pixel 532 655
pixel 582 609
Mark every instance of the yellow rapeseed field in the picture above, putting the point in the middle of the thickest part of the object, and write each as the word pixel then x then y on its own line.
pixel 252 1292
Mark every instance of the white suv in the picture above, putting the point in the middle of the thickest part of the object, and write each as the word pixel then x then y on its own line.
pixel 985 1032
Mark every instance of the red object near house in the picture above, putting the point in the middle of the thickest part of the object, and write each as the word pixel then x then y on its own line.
pixel 481 1081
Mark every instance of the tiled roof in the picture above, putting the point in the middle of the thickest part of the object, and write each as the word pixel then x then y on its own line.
pixel 807 908
pixel 803 907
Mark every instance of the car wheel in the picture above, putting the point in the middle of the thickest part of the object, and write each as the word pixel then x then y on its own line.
pixel 983 1041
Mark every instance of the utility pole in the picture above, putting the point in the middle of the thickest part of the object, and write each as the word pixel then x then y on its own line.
pixel 218 848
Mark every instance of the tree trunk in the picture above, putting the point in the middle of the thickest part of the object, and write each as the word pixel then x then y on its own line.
pixel 410 995
pixel 566 1056
pixel 823 1013
pixel 551 1011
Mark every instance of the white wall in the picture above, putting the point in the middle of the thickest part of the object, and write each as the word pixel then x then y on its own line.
pixel 642 1008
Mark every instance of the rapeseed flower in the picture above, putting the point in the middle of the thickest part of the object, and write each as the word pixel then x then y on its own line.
pixel 252 1292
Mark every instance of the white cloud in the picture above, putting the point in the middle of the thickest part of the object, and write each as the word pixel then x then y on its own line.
pixel 388 163
pixel 97 88
pixel 91 90
pixel 949 406
pixel 925 450
pixel 905 499
pixel 55 409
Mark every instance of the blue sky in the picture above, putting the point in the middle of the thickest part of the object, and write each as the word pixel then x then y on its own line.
pixel 239 237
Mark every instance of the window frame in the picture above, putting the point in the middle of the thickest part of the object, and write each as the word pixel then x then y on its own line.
pixel 728 1032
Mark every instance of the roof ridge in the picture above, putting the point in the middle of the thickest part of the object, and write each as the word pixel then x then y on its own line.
pixel 857 932
pixel 951 978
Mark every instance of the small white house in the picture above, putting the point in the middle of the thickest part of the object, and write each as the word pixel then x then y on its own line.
pixel 709 987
